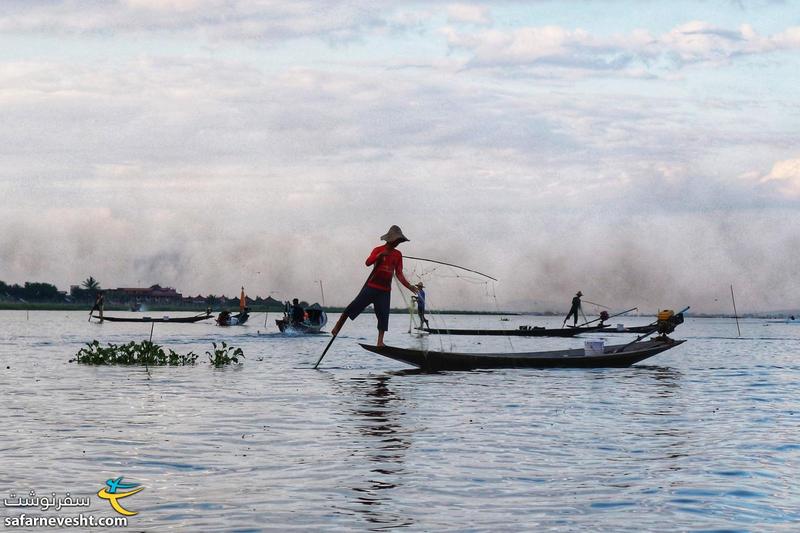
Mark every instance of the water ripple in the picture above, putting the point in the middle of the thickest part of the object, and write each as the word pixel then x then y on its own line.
pixel 702 438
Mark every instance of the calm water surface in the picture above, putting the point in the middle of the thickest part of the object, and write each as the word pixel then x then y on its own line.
pixel 702 437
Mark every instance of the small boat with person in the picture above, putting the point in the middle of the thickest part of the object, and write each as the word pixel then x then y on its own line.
pixel 225 318
pixel 299 319
pixel 534 331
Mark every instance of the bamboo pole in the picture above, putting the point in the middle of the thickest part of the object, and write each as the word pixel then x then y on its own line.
pixel 735 313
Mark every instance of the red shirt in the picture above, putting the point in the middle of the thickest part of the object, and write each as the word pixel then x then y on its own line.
pixel 390 264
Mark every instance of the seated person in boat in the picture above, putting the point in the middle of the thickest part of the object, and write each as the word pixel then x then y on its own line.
pixel 298 313
pixel 224 318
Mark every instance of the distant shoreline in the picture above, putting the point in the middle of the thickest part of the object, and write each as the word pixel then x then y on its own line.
pixel 20 306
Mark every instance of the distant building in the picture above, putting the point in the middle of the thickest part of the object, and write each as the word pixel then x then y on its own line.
pixel 155 294
pixel 194 300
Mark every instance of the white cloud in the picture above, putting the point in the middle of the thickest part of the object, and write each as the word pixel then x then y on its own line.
pixel 469 14
pixel 784 177
pixel 239 20
pixel 551 46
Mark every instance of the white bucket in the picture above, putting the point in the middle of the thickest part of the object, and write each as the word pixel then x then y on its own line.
pixel 594 347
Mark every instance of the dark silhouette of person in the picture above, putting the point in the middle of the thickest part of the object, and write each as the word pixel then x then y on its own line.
pixel 420 299
pixel 298 313
pixel 575 309
pixel 99 304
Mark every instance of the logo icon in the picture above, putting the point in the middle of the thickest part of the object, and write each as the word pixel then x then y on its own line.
pixel 115 490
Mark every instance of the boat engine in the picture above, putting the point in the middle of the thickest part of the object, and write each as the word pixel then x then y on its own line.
pixel 668 321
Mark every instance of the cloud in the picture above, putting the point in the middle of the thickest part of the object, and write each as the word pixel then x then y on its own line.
pixel 207 174
pixel 469 14
pixel 264 21
pixel 784 178
pixel 555 46
pixel 211 167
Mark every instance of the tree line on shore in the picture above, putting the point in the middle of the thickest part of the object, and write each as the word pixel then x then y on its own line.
pixel 43 292
pixel 85 293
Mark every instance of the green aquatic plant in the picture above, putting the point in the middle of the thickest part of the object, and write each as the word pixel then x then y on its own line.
pixel 224 355
pixel 145 353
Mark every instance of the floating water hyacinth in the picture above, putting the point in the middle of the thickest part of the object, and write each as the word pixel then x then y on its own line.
pixel 224 355
pixel 148 353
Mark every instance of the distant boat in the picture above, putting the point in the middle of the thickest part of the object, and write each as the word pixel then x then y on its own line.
pixel 226 319
pixel 165 318
pixel 612 356
pixel 315 319
pixel 790 320
pixel 523 331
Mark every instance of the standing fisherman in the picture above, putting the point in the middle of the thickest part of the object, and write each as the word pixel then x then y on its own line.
pixel 573 311
pixel 420 299
pixel 99 304
pixel 388 262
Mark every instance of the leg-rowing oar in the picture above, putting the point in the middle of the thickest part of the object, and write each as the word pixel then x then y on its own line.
pixel 333 338
pixel 609 318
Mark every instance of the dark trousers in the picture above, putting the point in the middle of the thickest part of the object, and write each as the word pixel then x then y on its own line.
pixel 380 302
pixel 573 312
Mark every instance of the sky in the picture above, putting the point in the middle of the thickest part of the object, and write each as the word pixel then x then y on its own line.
pixel 646 153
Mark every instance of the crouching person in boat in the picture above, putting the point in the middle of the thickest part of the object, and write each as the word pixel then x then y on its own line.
pixel 298 314
pixel 224 318
pixel 387 262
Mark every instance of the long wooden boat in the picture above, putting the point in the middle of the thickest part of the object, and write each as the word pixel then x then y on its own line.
pixel 521 332
pixel 177 319
pixel 613 356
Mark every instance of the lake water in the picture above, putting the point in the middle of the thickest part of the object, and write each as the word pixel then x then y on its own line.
pixel 702 437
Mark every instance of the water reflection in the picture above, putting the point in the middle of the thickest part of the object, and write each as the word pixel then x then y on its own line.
pixel 385 444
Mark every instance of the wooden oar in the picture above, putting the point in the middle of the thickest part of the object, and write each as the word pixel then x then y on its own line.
pixel 612 316
pixel 325 351
pixel 597 304
pixel 735 314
